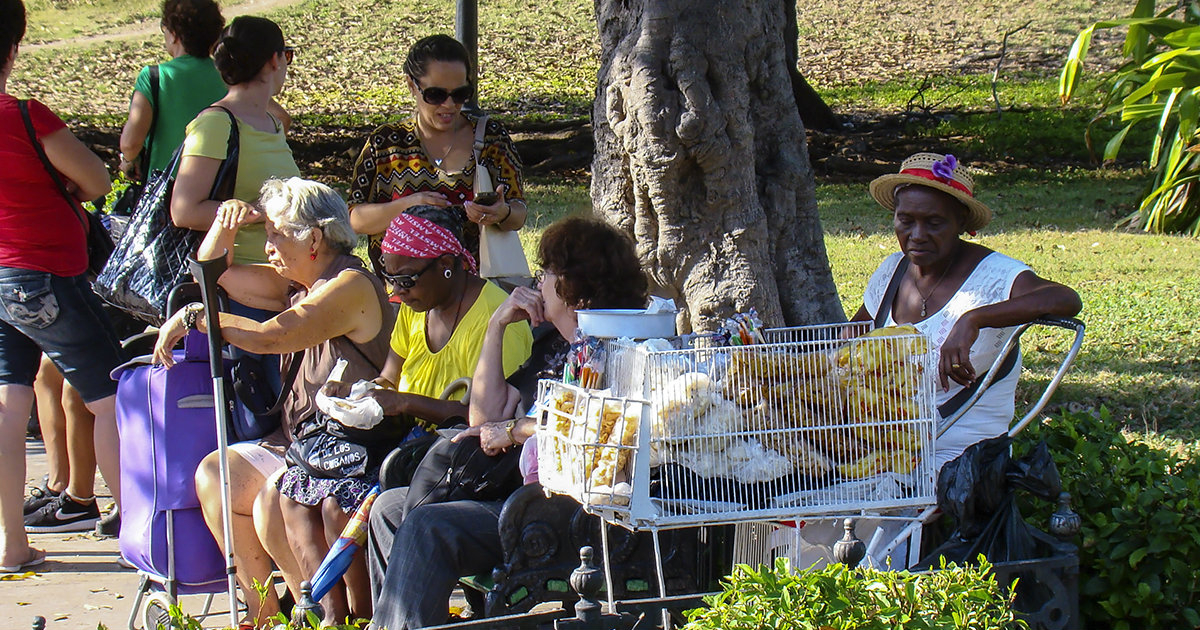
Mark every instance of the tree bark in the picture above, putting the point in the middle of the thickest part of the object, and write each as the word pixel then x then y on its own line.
pixel 701 155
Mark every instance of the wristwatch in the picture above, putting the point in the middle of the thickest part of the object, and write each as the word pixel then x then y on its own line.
pixel 190 313
pixel 508 430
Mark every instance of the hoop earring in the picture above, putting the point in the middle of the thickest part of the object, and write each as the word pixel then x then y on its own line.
pixel 447 273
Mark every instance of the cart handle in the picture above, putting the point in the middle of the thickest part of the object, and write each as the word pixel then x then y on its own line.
pixel 1066 323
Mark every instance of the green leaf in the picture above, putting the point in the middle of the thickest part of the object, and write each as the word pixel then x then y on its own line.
pixel 1184 38
pixel 1070 74
pixel 1136 557
pixel 1110 153
pixel 1189 114
pixel 1163 121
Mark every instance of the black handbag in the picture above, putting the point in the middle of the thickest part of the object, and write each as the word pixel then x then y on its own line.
pixel 326 449
pixel 99 242
pixel 151 257
pixel 461 471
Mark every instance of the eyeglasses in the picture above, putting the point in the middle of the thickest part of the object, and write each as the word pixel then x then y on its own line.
pixel 405 280
pixel 289 53
pixel 437 95
pixel 539 276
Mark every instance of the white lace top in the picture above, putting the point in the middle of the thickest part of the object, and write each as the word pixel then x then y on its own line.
pixel 990 282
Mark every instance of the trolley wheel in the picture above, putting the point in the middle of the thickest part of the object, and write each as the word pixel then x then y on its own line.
pixel 158 615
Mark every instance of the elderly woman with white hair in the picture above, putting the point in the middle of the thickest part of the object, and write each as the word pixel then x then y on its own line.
pixel 330 307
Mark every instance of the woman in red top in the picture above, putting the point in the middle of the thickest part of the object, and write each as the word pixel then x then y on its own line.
pixel 46 303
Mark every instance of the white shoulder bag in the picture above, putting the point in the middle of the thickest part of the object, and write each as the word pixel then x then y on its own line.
pixel 500 252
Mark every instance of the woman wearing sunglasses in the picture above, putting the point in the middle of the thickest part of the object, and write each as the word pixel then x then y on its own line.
pixel 427 159
pixel 443 316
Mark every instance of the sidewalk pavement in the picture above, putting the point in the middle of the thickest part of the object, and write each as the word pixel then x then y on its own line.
pixel 80 586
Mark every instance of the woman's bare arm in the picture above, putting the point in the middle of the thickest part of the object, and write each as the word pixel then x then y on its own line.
pixel 76 162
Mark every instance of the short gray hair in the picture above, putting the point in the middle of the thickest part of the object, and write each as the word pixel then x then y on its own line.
pixel 298 205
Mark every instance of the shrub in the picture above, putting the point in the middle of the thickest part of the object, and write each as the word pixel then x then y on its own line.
pixel 855 599
pixel 1140 510
pixel 1159 83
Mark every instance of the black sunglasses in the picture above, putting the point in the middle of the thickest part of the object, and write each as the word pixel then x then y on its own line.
pixel 405 280
pixel 289 53
pixel 437 95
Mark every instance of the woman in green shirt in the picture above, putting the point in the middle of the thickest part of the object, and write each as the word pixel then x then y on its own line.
pixel 187 84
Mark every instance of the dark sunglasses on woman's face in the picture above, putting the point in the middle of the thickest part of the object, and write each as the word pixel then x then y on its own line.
pixel 289 53
pixel 405 280
pixel 437 95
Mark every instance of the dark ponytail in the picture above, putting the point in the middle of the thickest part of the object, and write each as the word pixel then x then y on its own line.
pixel 245 46
pixel 434 48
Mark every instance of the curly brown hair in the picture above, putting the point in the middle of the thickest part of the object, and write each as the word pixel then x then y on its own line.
pixel 596 264
pixel 197 24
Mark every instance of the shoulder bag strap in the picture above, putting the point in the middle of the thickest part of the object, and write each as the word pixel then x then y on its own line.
pixel 950 407
pixel 153 122
pixel 289 379
pixel 41 152
pixel 480 130
pixel 227 175
pixel 889 295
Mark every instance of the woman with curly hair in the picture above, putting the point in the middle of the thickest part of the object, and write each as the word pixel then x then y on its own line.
pixel 585 264
pixel 162 106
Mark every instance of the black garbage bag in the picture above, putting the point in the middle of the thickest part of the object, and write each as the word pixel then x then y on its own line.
pixel 977 490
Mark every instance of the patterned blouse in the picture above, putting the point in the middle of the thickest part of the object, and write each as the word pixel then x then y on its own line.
pixel 393 164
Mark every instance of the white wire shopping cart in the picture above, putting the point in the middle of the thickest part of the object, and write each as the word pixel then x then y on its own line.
pixel 819 421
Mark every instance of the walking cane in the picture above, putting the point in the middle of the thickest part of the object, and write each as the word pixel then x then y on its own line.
pixel 207 272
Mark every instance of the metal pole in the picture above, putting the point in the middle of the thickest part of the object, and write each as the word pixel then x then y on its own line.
pixel 466 31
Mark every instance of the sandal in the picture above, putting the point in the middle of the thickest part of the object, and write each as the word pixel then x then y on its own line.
pixel 37 556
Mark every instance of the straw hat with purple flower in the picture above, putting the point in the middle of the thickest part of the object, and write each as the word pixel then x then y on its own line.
pixel 940 172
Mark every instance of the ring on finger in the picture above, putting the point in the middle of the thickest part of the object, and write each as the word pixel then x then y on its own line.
pixel 955 365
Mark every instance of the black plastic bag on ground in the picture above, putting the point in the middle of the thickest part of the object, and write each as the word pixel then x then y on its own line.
pixel 976 490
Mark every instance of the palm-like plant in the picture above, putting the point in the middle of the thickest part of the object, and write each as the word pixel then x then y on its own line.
pixel 1160 82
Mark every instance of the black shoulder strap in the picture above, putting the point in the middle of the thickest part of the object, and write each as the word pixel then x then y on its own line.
pixel 956 402
pixel 23 106
pixel 889 295
pixel 153 121
pixel 289 379
pixel 227 174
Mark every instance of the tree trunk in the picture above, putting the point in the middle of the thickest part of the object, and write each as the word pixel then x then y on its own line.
pixel 701 155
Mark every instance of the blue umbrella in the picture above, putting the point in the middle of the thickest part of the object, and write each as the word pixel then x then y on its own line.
pixel 341 552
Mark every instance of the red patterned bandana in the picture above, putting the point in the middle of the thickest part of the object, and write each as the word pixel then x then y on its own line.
pixel 415 237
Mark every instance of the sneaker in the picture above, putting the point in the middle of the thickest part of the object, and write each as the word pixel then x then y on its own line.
pixel 63 514
pixel 110 525
pixel 39 497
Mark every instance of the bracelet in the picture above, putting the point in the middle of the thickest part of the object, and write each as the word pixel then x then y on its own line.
pixel 190 313
pixel 508 429
pixel 125 159
pixel 507 215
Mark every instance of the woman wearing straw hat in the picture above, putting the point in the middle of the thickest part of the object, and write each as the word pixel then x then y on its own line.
pixel 965 297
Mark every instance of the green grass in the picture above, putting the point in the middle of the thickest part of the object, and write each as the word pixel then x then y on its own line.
pixel 50 20
pixel 540 63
